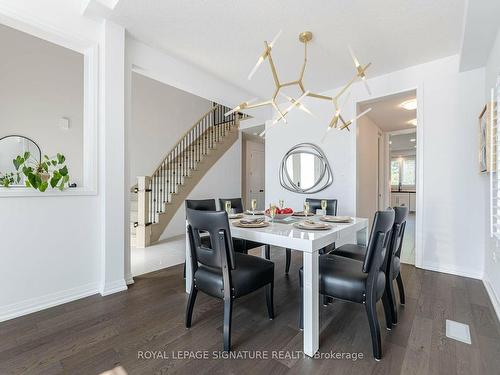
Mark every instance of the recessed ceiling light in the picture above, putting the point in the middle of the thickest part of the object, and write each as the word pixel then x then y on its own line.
pixel 390 142
pixel 413 122
pixel 412 140
pixel 409 105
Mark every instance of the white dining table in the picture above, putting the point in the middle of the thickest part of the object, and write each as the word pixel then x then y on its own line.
pixel 309 242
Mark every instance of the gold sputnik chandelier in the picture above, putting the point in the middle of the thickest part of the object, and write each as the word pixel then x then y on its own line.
pixel 337 120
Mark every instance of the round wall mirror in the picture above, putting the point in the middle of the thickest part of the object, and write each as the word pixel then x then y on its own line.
pixel 305 169
pixel 13 145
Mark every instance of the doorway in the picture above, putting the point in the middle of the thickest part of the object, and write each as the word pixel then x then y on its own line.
pixel 253 168
pixel 386 164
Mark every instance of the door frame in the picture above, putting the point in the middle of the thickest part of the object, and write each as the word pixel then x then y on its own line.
pixel 419 239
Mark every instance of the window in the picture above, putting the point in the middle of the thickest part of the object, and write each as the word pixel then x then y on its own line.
pixel 403 171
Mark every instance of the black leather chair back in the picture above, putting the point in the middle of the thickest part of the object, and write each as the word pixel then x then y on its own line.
pixel 401 213
pixel 221 254
pixel 315 204
pixel 236 204
pixel 201 204
pixel 379 240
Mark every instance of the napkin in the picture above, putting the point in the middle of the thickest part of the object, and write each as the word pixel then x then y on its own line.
pixel 252 221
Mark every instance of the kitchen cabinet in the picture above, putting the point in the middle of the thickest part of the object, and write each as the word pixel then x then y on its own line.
pixel 403 199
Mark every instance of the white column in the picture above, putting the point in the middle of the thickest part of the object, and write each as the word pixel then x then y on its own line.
pixel 112 184
pixel 311 303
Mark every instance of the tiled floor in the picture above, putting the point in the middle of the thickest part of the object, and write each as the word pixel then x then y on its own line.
pixel 163 254
pixel 408 249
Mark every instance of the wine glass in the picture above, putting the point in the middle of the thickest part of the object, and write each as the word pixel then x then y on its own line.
pixel 272 211
pixel 306 208
pixel 324 204
pixel 282 203
pixel 228 207
pixel 254 205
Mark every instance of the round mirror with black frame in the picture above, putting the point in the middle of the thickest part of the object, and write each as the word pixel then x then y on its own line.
pixel 305 169
pixel 12 146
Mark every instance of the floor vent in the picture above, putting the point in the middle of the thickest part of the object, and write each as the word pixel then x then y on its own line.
pixel 458 331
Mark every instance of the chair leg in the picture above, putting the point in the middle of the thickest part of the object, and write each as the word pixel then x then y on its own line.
pixel 371 312
pixel 387 310
pixel 288 259
pixel 301 308
pixel 389 290
pixel 269 300
pixel 184 273
pixel 268 252
pixel 326 300
pixel 190 305
pixel 228 309
pixel 401 289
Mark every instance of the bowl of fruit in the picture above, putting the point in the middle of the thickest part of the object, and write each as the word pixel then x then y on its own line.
pixel 281 213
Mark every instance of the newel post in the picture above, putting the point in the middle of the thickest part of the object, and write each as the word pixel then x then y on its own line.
pixel 143 229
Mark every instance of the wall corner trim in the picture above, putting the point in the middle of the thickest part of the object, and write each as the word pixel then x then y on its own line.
pixel 113 287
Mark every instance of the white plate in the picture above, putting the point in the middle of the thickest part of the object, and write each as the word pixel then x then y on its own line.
pixel 336 219
pixel 301 225
pixel 263 224
pixel 256 212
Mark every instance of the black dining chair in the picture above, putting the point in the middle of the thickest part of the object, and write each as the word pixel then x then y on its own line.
pixel 392 263
pixel 315 204
pixel 355 281
pixel 221 272
pixel 237 205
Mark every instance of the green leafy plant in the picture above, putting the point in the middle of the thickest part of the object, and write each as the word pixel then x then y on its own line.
pixel 38 175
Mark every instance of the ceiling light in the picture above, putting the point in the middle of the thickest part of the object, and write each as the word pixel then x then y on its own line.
pixel 409 105
pixel 390 142
pixel 412 140
pixel 338 121
pixel 413 122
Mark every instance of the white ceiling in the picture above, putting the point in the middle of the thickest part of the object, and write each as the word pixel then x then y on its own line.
pixel 225 37
pixel 402 142
pixel 387 114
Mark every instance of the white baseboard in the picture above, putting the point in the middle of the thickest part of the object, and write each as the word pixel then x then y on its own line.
pixel 44 302
pixel 453 271
pixel 113 287
pixel 495 301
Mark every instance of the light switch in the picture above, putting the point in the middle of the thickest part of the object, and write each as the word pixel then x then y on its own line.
pixel 64 123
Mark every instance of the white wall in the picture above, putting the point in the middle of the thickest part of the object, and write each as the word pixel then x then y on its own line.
pixel 161 114
pixel 492 249
pixel 367 165
pixel 450 102
pixel 41 83
pixel 50 244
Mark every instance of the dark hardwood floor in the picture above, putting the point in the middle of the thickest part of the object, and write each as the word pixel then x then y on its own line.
pixel 96 334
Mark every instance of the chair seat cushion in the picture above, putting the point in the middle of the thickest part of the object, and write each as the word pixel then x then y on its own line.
pixel 250 274
pixel 351 251
pixel 343 278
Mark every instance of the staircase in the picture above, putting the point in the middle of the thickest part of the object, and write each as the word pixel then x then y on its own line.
pixel 156 198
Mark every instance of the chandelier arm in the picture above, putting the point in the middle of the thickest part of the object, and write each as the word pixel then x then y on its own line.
pixel 318 96
pixel 273 67
pixel 261 104
pixel 344 89
pixel 282 116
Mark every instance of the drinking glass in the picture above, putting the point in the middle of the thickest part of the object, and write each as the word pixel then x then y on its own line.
pixel 228 207
pixel 282 203
pixel 306 208
pixel 272 212
pixel 254 205
pixel 324 203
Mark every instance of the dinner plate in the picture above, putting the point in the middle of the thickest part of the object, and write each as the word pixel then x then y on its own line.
pixel 262 224
pixel 301 225
pixel 256 212
pixel 302 214
pixel 336 219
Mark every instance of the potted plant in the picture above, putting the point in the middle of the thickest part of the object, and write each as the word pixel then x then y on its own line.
pixel 39 175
